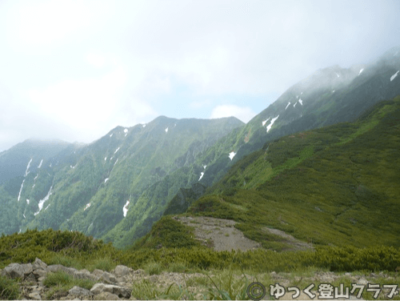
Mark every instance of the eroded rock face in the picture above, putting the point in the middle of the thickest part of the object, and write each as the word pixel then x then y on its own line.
pixel 16 270
pixel 120 291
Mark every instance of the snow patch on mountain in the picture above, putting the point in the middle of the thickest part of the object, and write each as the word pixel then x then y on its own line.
pixel 125 131
pixel 24 215
pixel 41 202
pixel 394 76
pixel 300 101
pixel 265 121
pixel 362 69
pixel 27 167
pixel 35 177
pixel 111 135
pixel 337 74
pixel 295 104
pixel 87 206
pixel 272 122
pixel 201 175
pixel 40 164
pixel 125 209
pixel 105 158
pixel 105 181
pixel 117 150
pixel 204 166
pixel 73 167
pixel 144 125
pixel 27 201
pixel 287 105
pixel 166 130
pixel 115 162
pixel 333 91
pixel 232 154
pixel 33 186
pixel 47 207
pixel 20 190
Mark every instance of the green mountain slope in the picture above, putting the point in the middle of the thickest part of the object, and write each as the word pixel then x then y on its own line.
pixel 327 97
pixel 95 187
pixel 336 185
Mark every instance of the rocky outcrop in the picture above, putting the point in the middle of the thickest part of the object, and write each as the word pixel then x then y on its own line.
pixel 118 283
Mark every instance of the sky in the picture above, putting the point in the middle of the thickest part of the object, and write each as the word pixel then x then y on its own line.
pixel 73 70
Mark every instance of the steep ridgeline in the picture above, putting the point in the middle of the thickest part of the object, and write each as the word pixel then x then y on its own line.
pixel 327 97
pixel 98 185
pixel 336 185
pixel 20 167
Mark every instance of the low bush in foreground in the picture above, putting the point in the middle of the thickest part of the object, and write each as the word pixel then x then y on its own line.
pixel 9 289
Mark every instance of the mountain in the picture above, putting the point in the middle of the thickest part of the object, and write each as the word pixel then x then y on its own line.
pixel 16 162
pixel 116 187
pixel 336 185
pixel 91 188
pixel 329 96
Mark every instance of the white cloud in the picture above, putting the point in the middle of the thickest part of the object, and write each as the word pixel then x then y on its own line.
pixel 81 103
pixel 95 59
pixel 43 22
pixel 242 113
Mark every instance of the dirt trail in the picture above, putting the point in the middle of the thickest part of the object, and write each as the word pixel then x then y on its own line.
pixel 221 235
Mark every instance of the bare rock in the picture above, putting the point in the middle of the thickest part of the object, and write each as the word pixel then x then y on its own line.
pixel 80 292
pixel 121 270
pixel 106 296
pixel 113 289
pixel 97 273
pixel 84 274
pixel 39 273
pixel 16 270
pixel 30 278
pixel 58 267
pixel 35 296
pixel 39 265
pixel 108 278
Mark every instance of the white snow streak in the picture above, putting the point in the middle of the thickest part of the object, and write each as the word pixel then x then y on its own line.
pixel 394 76
pixel 295 105
pixel 201 175
pixel 73 167
pixel 144 125
pixel 35 177
pixel 47 207
pixel 41 202
pixel 300 101
pixel 115 162
pixel 111 134
pixel 117 150
pixel 24 215
pixel 287 105
pixel 20 190
pixel 125 130
pixel 333 91
pixel 105 181
pixel 265 121
pixel 361 71
pixel 105 158
pixel 33 186
pixel 125 209
pixel 27 201
pixel 337 74
pixel 40 165
pixel 232 154
pixel 272 122
pixel 204 166
pixel 27 168
pixel 87 206
pixel 166 130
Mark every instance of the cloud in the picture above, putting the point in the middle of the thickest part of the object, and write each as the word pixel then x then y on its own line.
pixel 245 114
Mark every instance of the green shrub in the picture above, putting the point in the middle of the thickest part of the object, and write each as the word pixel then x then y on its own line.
pixel 9 289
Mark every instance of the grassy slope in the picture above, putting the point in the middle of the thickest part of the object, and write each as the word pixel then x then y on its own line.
pixel 332 186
